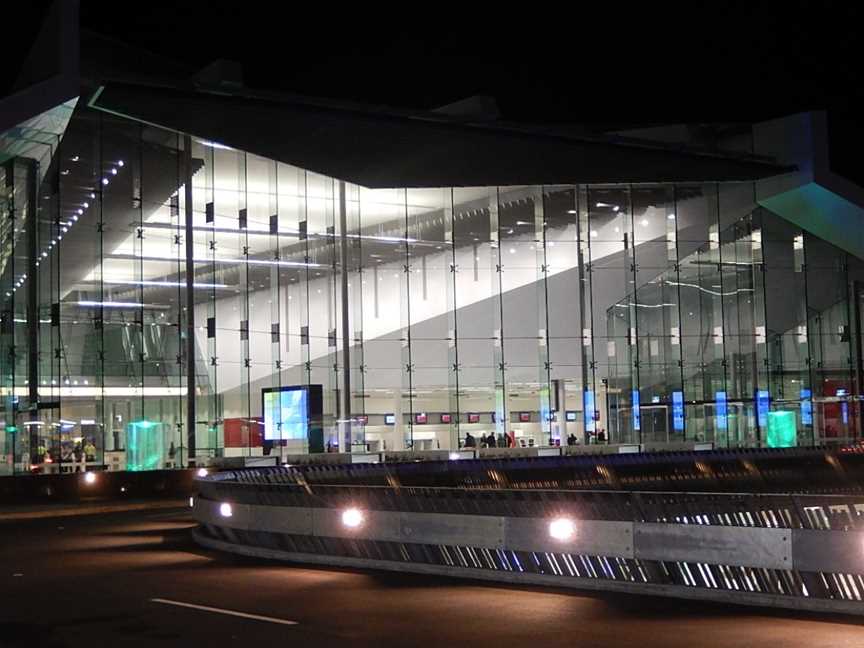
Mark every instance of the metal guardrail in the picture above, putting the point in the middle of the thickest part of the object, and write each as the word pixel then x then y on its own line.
pixel 782 550
pixel 825 470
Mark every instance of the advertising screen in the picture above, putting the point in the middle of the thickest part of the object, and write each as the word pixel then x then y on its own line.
pixel 389 419
pixel 677 410
pixel 473 418
pixel 286 413
pixel 446 418
pixel 420 418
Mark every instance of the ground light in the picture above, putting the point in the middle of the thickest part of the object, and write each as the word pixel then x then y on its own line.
pixel 191 502
pixel 454 456
pixel 90 477
pixel 352 518
pixel 562 529
pixel 202 472
pixel 225 509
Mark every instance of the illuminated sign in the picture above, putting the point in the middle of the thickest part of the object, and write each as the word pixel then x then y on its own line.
pixel 762 406
pixel 678 410
pixel 722 410
pixel 589 407
pixel 806 407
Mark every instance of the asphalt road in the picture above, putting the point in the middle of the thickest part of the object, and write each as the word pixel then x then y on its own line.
pixel 90 581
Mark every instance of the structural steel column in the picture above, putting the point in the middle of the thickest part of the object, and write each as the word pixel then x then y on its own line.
pixel 346 341
pixel 190 300
pixel 32 171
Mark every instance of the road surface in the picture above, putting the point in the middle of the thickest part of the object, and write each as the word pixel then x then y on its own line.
pixel 137 579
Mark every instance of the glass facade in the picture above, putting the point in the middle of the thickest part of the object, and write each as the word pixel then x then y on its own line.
pixel 601 313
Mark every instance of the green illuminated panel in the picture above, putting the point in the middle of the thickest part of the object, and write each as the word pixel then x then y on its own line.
pixel 145 445
pixel 782 430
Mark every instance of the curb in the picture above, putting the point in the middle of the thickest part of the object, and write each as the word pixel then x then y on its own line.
pixel 90 510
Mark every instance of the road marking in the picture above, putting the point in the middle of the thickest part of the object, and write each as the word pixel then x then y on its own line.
pixel 206 608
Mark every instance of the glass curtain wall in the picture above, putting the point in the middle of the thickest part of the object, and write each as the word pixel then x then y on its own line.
pixel 518 316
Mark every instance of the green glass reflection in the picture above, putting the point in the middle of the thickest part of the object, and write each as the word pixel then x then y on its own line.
pixel 782 430
pixel 144 445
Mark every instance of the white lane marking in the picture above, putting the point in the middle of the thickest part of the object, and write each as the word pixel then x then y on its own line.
pixel 206 608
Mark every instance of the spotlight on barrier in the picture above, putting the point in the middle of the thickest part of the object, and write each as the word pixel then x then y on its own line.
pixel 191 502
pixel 90 477
pixel 562 529
pixel 225 509
pixel 202 472
pixel 352 518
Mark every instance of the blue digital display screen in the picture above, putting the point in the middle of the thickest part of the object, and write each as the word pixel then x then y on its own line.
pixel 637 418
pixel 589 411
pixel 763 400
pixel 722 411
pixel 677 410
pixel 806 407
pixel 844 412
pixel 286 414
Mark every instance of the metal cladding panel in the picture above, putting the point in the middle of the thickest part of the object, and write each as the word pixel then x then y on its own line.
pixel 716 545
pixel 815 550
pixel 281 519
pixel 207 512
pixel 592 537
pixel 468 530
pixel 377 525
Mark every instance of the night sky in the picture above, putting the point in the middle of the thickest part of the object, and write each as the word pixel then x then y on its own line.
pixel 609 67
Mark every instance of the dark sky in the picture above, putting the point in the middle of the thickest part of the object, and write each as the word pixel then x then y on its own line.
pixel 609 64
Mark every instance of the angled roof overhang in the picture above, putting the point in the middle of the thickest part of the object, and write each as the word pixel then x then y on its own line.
pixel 50 74
pixel 385 148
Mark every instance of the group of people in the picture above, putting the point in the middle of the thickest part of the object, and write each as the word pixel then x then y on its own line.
pixel 490 441
pixel 66 452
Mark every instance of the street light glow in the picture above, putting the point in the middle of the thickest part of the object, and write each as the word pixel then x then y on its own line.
pixel 352 518
pixel 225 509
pixel 562 529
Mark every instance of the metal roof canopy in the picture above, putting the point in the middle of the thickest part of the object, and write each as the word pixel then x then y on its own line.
pixel 376 148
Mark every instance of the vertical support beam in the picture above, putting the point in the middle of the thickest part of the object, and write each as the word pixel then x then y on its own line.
pixel 190 300
pixel 32 227
pixel 584 303
pixel 856 332
pixel 346 340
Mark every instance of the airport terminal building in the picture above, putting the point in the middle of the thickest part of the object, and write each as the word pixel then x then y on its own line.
pixel 193 269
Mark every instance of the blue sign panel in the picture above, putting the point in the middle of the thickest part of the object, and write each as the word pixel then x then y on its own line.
pixel 678 410
pixel 844 412
pixel 762 405
pixel 589 409
pixel 722 411
pixel 637 419
pixel 806 407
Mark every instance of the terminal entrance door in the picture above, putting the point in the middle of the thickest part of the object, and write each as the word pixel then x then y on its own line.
pixel 655 423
